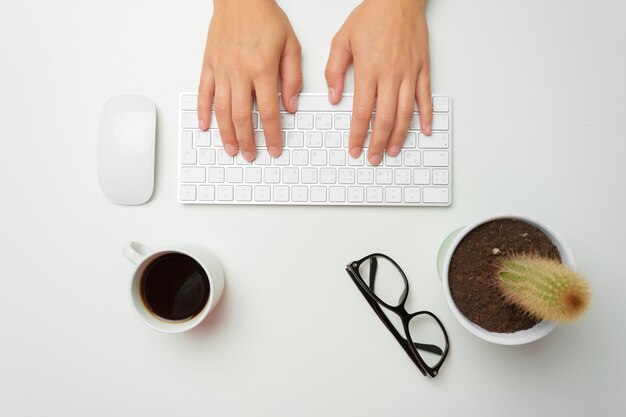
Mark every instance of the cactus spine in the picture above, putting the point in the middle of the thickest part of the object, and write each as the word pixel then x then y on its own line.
pixel 544 288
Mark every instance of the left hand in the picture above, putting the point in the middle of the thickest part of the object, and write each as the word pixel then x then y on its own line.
pixel 388 42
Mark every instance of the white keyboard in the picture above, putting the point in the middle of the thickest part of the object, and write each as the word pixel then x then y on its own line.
pixel 315 167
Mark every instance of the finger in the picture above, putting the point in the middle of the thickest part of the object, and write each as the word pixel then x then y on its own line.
pixel 267 102
pixel 404 113
pixel 424 101
pixel 291 74
pixel 223 113
pixel 386 105
pixel 364 92
pixel 336 67
pixel 242 117
pixel 205 97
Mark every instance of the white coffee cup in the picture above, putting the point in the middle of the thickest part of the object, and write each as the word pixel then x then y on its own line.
pixel 142 257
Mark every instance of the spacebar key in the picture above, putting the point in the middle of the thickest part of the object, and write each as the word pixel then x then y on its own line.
pixel 320 104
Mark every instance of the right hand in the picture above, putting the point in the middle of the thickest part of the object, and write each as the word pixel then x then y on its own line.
pixel 249 43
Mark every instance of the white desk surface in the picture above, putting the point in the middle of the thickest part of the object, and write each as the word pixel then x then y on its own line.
pixel 539 101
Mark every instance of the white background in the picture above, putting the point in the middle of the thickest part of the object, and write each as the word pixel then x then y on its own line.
pixel 539 101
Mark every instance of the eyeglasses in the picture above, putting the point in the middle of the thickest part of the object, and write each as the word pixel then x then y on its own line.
pixel 383 283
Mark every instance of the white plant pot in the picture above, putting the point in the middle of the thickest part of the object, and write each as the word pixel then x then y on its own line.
pixel 444 257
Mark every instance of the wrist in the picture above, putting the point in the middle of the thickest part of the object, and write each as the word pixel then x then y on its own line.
pixel 240 3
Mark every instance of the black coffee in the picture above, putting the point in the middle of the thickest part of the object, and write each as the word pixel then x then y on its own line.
pixel 175 287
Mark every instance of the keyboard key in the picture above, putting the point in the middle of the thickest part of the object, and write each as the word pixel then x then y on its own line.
pixel 243 193
pixel 300 157
pixel 305 121
pixel 259 139
pixel 393 161
pixel 262 157
pixel 440 176
pixel 421 176
pixel 216 174
pixel 217 139
pixel 323 121
pixel 262 193
pixel 234 175
pixel 295 139
pixel 187 193
pixel 318 194
pixel 314 139
pixel 337 157
pixel 223 158
pixel 409 141
pixel 337 194
pixel 188 156
pixel 189 120
pixel 255 121
pixel 318 157
pixel 281 193
pixel 411 158
pixel 309 175
pixel 440 122
pixel 393 195
pixel 206 156
pixel 213 124
pixel 356 194
pixel 435 158
pixel 436 195
pixel 253 175
pixel 193 174
pixel 225 193
pixel 360 161
pixel 206 193
pixel 342 121
pixel 402 176
pixel 365 176
pixel 299 193
pixel 328 175
pixel 436 140
pixel 290 175
pixel 347 175
pixel 332 140
pixel 415 122
pixel 240 160
pixel 201 139
pixel 283 159
pixel 384 176
pixel 441 104
pixel 189 102
pixel 412 195
pixel 374 194
pixel 287 120
pixel 271 175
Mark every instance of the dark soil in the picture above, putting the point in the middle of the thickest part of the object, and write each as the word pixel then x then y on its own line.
pixel 472 275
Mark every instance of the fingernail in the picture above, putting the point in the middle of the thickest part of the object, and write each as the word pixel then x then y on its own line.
pixel 230 149
pixel 248 156
pixel 394 150
pixel 331 93
pixel 274 151
pixel 293 103
pixel 375 159
pixel 355 152
pixel 428 129
pixel 201 124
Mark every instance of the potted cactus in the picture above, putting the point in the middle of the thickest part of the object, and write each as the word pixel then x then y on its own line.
pixel 510 279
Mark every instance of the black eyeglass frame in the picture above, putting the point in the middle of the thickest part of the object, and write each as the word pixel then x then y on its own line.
pixel 407 343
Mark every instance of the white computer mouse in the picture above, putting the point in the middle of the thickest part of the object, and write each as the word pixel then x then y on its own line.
pixel 126 140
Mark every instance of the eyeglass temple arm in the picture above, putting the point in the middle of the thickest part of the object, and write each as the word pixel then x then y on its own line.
pixel 421 346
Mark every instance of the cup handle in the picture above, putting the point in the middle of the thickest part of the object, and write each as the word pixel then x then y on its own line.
pixel 135 252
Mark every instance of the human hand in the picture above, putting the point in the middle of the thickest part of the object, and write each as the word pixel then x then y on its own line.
pixel 249 43
pixel 388 42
